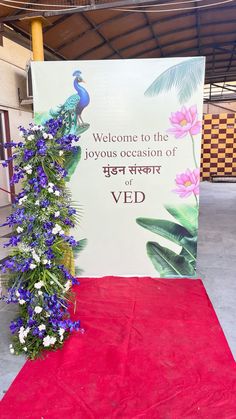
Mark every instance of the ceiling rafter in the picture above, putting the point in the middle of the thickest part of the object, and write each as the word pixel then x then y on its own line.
pixel 149 23
pixel 89 20
pixel 169 44
pixel 170 32
pixel 91 29
pixel 198 25
pixel 91 6
pixel 185 50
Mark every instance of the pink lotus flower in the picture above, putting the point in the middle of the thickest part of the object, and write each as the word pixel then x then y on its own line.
pixel 187 183
pixel 184 122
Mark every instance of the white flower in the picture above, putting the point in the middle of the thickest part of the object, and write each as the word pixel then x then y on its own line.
pixel 57 213
pixel 40 293
pixel 30 137
pixel 25 349
pixel 50 136
pixel 21 200
pixel 38 285
pixel 45 135
pixel 28 169
pixel 36 128
pixel 12 351
pixel 42 327
pixel 17 294
pixel 23 334
pixel 61 331
pixel 44 261
pixel 68 285
pixel 57 193
pixel 33 266
pixel 48 340
pixel 50 184
pixel 21 338
pixel 56 229
pixel 61 152
pixel 51 282
pixel 37 202
pixel 19 229
pixel 21 134
pixel 21 302
pixel 26 331
pixel 61 232
pixel 50 190
pixel 38 309
pixel 35 256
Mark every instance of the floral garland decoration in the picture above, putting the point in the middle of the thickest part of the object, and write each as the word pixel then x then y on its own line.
pixel 37 275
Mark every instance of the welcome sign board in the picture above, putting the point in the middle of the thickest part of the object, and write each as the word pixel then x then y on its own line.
pixel 136 177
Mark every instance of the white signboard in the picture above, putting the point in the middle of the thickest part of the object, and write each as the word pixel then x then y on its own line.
pixel 137 180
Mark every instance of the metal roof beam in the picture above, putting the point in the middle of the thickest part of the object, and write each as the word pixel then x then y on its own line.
pixel 148 39
pixel 92 29
pixel 185 50
pixel 224 88
pixel 198 29
pixel 154 35
pixel 169 44
pixel 89 20
pixel 89 7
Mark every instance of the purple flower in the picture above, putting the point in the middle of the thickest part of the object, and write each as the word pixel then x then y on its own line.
pixel 16 177
pixel 28 154
pixel 42 177
pixel 14 240
pixel 16 325
pixel 71 211
pixel 44 203
pixel 42 148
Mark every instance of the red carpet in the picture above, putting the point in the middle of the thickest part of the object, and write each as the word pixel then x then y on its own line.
pixel 152 349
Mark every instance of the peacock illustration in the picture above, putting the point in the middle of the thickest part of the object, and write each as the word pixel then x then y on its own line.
pixel 71 110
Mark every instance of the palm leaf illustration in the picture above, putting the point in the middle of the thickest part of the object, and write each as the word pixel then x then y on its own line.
pixel 185 77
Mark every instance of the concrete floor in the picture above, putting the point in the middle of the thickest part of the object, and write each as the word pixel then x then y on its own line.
pixel 216 267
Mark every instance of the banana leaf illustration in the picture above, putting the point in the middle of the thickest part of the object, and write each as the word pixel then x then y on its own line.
pixel 184 234
pixel 184 77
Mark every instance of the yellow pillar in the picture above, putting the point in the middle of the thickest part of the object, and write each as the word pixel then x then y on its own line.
pixel 37 39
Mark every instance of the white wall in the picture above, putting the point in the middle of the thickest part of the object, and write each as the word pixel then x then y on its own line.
pixel 13 60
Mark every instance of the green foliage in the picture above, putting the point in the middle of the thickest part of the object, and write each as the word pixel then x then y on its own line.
pixel 80 247
pixel 165 261
pixel 71 163
pixel 187 215
pixel 185 77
